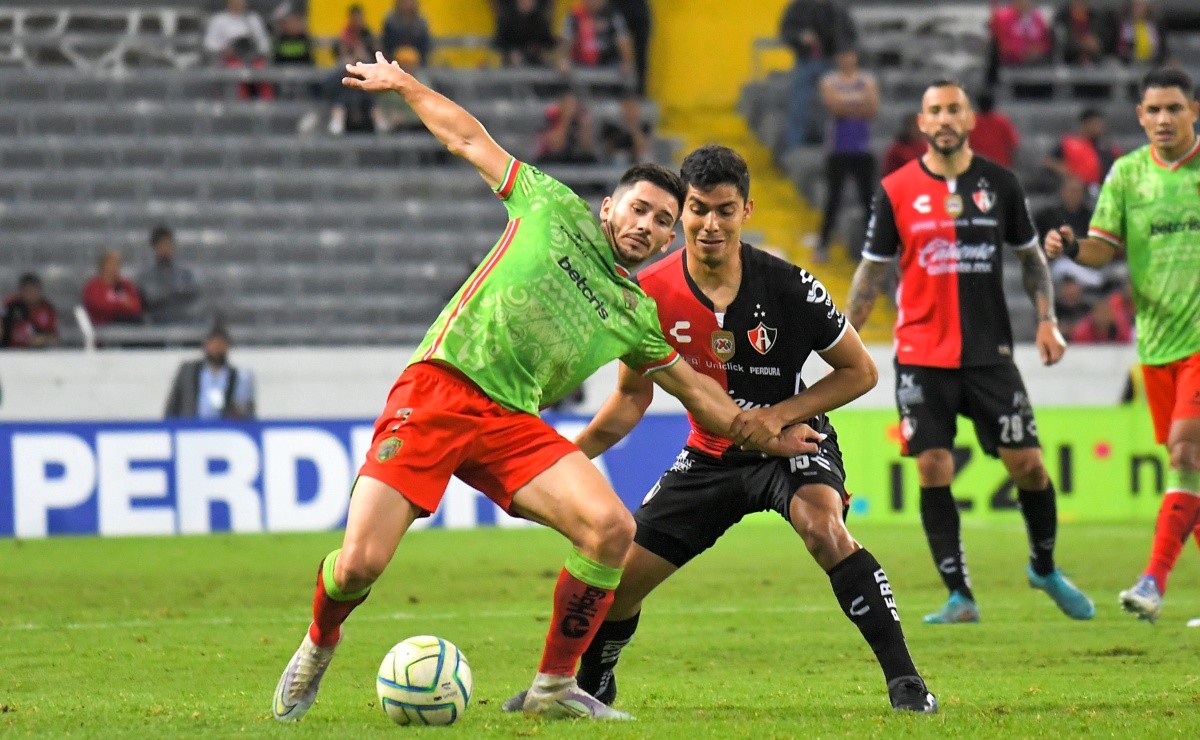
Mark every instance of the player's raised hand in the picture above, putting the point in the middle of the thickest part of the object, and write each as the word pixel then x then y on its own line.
pixel 1050 343
pixel 798 439
pixel 378 76
pixel 1056 239
pixel 755 427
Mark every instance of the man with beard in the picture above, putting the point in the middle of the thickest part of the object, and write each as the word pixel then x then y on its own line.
pixel 946 216
pixel 211 388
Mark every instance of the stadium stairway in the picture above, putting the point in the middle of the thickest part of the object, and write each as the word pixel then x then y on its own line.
pixel 781 215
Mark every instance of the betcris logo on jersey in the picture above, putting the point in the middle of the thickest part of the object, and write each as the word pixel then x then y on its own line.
pixel 581 284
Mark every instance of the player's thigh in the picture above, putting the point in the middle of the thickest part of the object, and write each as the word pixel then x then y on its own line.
pixel 644 571
pixel 1161 397
pixel 573 498
pixel 1183 438
pixel 927 399
pixel 691 506
pixel 995 399
pixel 378 518
pixel 510 450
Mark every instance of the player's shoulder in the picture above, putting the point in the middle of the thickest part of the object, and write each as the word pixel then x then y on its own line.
pixel 907 173
pixel 992 169
pixel 1134 160
pixel 662 272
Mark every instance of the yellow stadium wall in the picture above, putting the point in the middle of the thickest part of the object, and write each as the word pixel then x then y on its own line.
pixel 700 50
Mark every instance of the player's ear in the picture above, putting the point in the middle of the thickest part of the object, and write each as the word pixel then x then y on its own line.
pixel 748 210
pixel 667 243
pixel 606 207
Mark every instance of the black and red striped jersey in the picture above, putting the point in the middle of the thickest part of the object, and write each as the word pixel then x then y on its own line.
pixel 757 347
pixel 949 235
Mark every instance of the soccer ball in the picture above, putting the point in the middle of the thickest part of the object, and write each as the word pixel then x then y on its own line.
pixel 424 680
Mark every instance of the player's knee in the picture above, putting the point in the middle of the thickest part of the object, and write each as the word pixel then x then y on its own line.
pixel 608 539
pixel 934 466
pixel 1185 456
pixel 1029 473
pixel 826 539
pixel 358 567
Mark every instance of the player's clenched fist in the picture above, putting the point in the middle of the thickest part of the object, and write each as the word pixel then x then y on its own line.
pixel 799 439
pixel 1057 239
pixel 377 76
pixel 755 427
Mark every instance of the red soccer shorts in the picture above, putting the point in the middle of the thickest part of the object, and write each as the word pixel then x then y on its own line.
pixel 437 423
pixel 1173 391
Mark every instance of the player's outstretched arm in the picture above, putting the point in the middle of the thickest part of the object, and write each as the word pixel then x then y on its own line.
pixel 1035 276
pixel 462 134
pixel 619 415
pixel 712 408
pixel 854 373
pixel 865 288
pixel 1088 251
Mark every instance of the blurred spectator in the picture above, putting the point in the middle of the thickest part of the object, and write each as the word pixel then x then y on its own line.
pixel 852 98
pixel 815 30
pixel 109 297
pixel 524 32
pixel 1020 34
pixel 595 35
pixel 29 319
pixel 351 109
pixel 211 388
pixel 1085 153
pixel 1070 303
pixel 1086 33
pixel 169 291
pixel 637 19
pixel 568 134
pixel 406 27
pixel 1141 37
pixel 293 45
pixel 237 38
pixel 1106 323
pixel 909 144
pixel 994 135
pixel 1071 209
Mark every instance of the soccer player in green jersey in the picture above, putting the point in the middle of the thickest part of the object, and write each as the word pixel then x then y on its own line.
pixel 1150 207
pixel 551 303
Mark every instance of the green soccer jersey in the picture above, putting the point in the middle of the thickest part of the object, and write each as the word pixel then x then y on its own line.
pixel 1152 209
pixel 548 306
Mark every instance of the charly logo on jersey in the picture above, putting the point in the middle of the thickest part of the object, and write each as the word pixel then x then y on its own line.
pixel 722 345
pixel 922 204
pixel 954 205
pixel 678 330
pixel 762 337
pixel 984 197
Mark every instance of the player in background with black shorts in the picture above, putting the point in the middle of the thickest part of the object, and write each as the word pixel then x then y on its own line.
pixel 750 321
pixel 1149 206
pixel 947 216
pixel 552 302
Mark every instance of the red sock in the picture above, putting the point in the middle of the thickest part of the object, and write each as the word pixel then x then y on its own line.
pixel 1176 519
pixel 328 614
pixel 579 610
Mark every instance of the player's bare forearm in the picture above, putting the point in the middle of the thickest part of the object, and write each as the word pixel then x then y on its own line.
pixel 1035 276
pixel 854 373
pixel 865 288
pixel 1095 252
pixel 461 132
pixel 616 418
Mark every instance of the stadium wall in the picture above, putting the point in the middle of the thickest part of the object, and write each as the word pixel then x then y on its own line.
pixel 82 450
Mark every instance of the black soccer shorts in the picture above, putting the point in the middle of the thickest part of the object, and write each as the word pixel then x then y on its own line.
pixel 930 399
pixel 701 496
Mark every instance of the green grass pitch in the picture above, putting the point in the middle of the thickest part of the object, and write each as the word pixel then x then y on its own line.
pixel 187 637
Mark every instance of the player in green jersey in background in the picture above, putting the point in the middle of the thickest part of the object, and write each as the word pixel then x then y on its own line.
pixel 1150 207
pixel 551 303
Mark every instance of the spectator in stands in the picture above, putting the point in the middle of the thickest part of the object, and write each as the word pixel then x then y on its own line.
pixel 594 34
pixel 211 388
pixel 1087 34
pixel 815 30
pixel 110 297
pixel 237 38
pixel 1070 303
pixel 909 144
pixel 406 27
pixel 293 45
pixel 29 319
pixel 851 97
pixel 352 109
pixel 1141 37
pixel 1071 208
pixel 1020 34
pixel 524 32
pixel 567 136
pixel 1106 323
pixel 169 291
pixel 637 19
pixel 1085 153
pixel 994 135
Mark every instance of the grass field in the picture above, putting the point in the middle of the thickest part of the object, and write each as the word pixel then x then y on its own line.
pixel 187 636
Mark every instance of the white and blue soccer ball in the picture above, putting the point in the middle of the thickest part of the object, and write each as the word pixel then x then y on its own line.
pixel 424 680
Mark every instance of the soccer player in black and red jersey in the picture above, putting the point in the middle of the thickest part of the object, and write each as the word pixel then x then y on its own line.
pixel 948 215
pixel 750 321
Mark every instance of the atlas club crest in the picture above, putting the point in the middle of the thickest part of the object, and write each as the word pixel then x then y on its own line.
pixel 984 197
pixel 762 338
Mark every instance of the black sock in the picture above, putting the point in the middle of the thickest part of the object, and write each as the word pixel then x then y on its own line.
pixel 1041 524
pixel 863 590
pixel 602 655
pixel 939 516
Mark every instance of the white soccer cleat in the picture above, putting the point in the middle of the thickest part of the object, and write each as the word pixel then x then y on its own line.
pixel 567 702
pixel 297 689
pixel 1143 599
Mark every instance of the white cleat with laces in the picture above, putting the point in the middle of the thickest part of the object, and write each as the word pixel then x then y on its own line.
pixel 297 689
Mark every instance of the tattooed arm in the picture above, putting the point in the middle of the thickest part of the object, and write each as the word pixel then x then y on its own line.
pixel 869 280
pixel 1035 276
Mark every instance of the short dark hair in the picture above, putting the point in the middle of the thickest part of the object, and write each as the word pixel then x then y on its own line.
pixel 712 165
pixel 1088 114
pixel 1168 77
pixel 160 232
pixel 655 174
pixel 29 278
pixel 945 82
